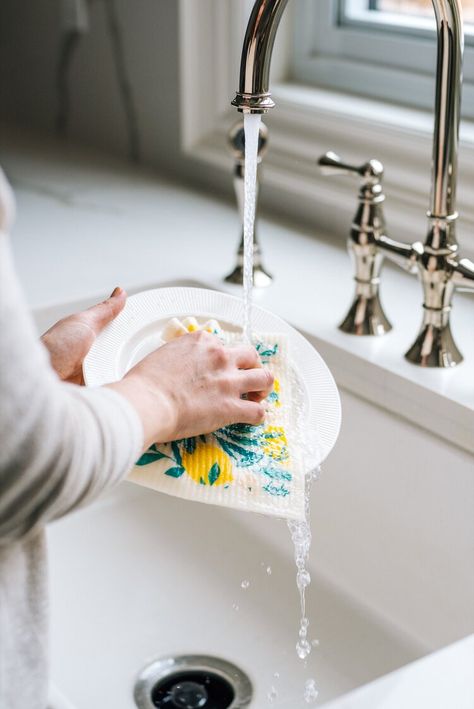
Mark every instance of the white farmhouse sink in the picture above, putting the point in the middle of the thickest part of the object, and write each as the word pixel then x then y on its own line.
pixel 140 575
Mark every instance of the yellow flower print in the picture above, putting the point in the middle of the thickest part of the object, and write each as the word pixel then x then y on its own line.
pixel 208 465
pixel 275 443
pixel 274 397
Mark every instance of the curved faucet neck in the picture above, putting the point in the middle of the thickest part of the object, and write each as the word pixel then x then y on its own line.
pixel 253 95
pixel 450 38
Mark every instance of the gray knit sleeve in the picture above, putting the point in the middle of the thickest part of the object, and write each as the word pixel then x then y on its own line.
pixel 60 444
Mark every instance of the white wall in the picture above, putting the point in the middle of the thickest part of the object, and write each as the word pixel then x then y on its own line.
pixel 29 49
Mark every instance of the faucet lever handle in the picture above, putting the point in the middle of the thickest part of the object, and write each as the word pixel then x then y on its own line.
pixel 370 172
pixel 366 315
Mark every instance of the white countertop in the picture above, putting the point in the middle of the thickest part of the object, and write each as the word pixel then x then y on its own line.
pixel 87 223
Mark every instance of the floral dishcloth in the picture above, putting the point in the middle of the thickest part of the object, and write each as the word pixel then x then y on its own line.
pixel 242 466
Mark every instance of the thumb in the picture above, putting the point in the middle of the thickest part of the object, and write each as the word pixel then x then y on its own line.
pixel 102 314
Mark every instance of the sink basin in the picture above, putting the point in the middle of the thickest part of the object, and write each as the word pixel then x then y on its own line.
pixel 139 575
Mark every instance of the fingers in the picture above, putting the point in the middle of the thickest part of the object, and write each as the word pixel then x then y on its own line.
pixel 245 357
pixel 257 396
pixel 250 412
pixel 256 380
pixel 102 314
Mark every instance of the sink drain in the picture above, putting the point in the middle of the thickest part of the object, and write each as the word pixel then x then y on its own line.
pixel 192 682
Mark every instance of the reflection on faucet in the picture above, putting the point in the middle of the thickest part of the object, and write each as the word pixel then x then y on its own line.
pixel 436 261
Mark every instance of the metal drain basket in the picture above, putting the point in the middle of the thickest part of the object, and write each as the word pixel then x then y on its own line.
pixel 166 667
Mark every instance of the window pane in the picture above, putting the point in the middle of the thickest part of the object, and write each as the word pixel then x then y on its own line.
pixel 417 8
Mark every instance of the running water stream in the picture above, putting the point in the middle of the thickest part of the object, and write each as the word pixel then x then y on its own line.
pixel 252 128
pixel 300 531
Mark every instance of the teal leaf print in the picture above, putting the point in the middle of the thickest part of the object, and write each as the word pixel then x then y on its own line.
pixel 266 352
pixel 248 436
pixel 242 427
pixel 245 457
pixel 151 456
pixel 214 473
pixel 175 472
pixel 276 474
pixel 176 453
pixel 189 445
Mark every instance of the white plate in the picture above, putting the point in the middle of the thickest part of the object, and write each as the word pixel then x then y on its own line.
pixel 137 331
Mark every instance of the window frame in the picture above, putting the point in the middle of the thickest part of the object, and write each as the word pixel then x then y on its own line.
pixel 416 25
pixel 351 56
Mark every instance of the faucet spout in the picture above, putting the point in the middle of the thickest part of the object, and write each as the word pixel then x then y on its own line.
pixel 253 95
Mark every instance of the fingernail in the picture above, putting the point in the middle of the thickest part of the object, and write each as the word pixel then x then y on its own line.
pixel 116 291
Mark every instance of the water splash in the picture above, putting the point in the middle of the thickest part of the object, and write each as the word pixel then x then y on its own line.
pixel 245 584
pixel 272 694
pixel 301 536
pixel 269 570
pixel 251 128
pixel 310 691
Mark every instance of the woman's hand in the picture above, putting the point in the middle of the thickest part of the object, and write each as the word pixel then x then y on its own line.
pixel 194 385
pixel 69 341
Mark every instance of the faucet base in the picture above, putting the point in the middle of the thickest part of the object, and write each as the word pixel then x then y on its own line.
pixel 434 347
pixel 366 317
pixel 261 278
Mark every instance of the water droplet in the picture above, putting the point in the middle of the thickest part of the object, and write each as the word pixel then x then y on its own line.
pixel 235 607
pixel 303 648
pixel 272 694
pixel 303 579
pixel 276 675
pixel 269 570
pixel 245 584
pixel 310 691
pixel 315 642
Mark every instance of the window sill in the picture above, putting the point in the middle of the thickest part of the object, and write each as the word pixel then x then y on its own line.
pixel 307 122
pixel 293 96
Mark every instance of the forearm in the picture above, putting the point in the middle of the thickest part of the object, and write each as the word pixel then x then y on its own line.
pixel 157 417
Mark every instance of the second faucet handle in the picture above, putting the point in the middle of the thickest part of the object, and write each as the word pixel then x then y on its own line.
pixel 370 172
pixel 366 315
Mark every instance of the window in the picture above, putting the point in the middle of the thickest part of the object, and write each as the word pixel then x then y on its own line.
pixel 384 49
pixel 400 15
pixel 306 121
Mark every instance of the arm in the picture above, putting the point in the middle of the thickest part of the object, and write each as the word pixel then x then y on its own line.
pixel 60 444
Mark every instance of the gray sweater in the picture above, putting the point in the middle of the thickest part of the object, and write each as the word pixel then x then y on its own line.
pixel 60 446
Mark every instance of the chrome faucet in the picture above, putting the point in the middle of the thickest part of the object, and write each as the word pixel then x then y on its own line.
pixel 436 261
